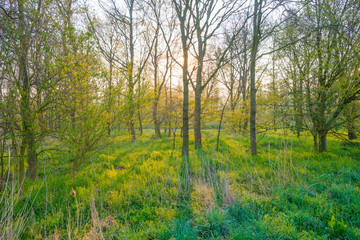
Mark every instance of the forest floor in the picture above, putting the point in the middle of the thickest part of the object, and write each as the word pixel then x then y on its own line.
pixel 130 191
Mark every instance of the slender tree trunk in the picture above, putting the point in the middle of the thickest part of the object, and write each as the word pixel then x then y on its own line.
pixel 244 122
pixel 110 96
pixel 198 91
pixel 201 49
pixel 174 135
pixel 197 119
pixel 295 107
pixel 170 100
pixel 20 163
pixel 131 119
pixel 254 49
pixel 155 119
pixel 132 105
pixel 219 129
pixel 244 82
pixel 274 93
pixel 156 89
pixel 185 127
pixel 2 162
pixel 298 102
pixel 140 121
pixel 169 132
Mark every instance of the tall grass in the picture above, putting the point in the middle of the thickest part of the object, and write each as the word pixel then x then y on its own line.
pixel 134 191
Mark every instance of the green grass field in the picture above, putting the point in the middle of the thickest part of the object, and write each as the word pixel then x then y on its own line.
pixel 130 191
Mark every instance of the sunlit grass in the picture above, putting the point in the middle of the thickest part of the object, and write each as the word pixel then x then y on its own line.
pixel 130 191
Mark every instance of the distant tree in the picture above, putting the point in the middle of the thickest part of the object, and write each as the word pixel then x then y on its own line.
pixel 207 18
pixel 108 42
pixel 160 56
pixel 352 114
pixel 323 64
pixel 235 77
pixel 128 21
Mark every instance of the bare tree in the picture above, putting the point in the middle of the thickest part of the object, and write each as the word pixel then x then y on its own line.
pixel 160 56
pixel 208 17
pixel 129 25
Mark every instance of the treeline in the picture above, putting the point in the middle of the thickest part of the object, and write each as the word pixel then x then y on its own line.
pixel 77 75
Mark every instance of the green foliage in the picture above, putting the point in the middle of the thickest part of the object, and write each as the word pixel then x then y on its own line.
pixel 278 226
pixel 338 228
pixel 179 229
pixel 244 211
pixel 214 224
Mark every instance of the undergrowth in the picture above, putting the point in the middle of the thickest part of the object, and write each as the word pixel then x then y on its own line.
pixel 131 191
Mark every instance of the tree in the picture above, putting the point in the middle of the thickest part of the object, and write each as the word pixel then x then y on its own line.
pixel 235 79
pixel 182 9
pixel 262 9
pixel 331 82
pixel 82 105
pixel 128 24
pixel 25 41
pixel 158 55
pixel 257 19
pixel 208 17
pixel 351 113
pixel 109 45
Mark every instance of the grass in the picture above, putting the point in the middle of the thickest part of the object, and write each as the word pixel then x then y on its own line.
pixel 131 191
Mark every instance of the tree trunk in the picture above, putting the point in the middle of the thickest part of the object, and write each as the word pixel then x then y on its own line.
pixel 254 49
pixel 28 142
pixel 296 108
pixel 31 156
pixel 321 103
pixel 298 104
pixel 174 135
pixel 171 102
pixel 322 142
pixel 110 96
pixel 132 124
pixel 201 48
pixel 185 127
pixel 300 116
pixel 140 121
pixel 316 146
pixel 350 115
pixel 131 74
pixel 219 129
pixel 351 133
pixel 197 119
pixel 156 122
pixel 244 83
pixel 2 161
